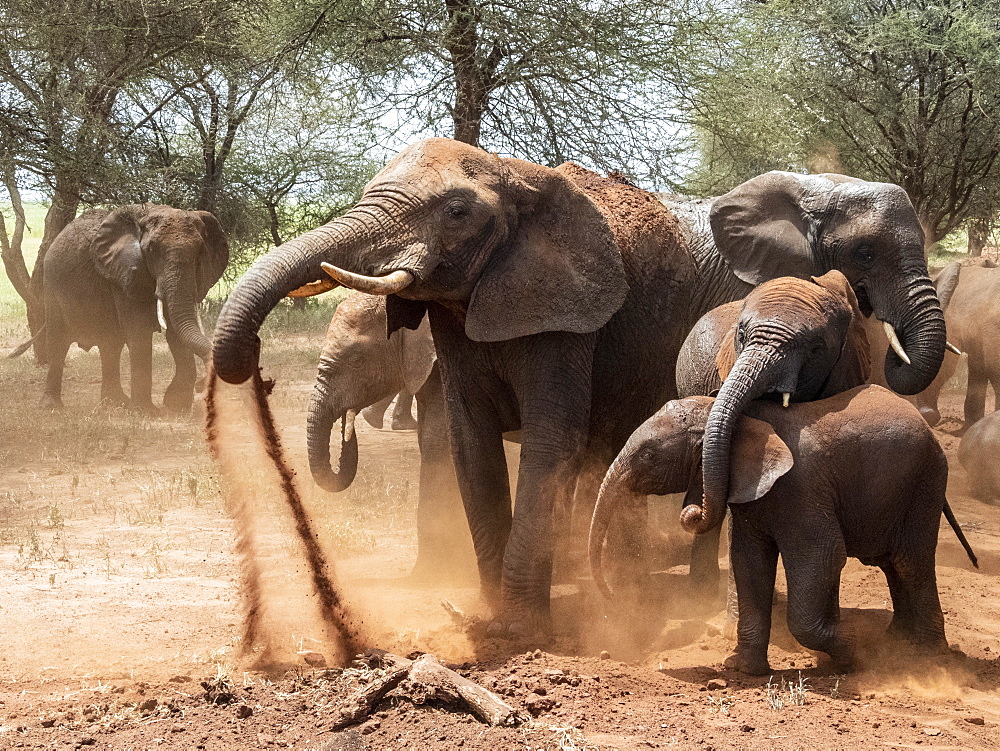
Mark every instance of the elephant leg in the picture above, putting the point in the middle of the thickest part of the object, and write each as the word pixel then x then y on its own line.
pixel 374 414
pixel 902 605
pixel 918 582
pixel 402 414
pixel 975 396
pixel 444 547
pixel 58 347
pixel 754 561
pixel 179 395
pixel 140 359
pixel 111 375
pixel 813 578
pixel 704 571
pixel 481 468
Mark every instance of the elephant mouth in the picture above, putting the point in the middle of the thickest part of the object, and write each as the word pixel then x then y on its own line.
pixel 864 302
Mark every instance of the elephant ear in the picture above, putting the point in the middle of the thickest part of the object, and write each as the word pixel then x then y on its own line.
pixel 946 282
pixel 116 252
pixel 418 356
pixel 759 458
pixel 560 268
pixel 764 227
pixel 853 367
pixel 217 247
pixel 726 357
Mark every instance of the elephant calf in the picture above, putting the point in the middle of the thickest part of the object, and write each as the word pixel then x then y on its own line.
pixel 859 474
pixel 977 454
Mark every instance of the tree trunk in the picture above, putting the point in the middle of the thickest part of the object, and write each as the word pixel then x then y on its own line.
pixel 979 233
pixel 471 89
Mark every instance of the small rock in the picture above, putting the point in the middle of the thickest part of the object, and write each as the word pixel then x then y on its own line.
pixel 932 731
pixel 605 654
pixel 177 728
pixel 148 706
pixel 181 679
pixel 370 727
pixel 243 711
pixel 49 722
pixel 747 728
pixel 86 742
pixel 537 704
pixel 314 659
pixel 975 720
pixel 540 690
pixel 716 684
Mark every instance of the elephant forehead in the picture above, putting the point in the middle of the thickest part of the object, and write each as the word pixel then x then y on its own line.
pixel 787 297
pixel 438 164
pixel 874 206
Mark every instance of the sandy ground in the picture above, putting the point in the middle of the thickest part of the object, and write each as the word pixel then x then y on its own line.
pixel 121 622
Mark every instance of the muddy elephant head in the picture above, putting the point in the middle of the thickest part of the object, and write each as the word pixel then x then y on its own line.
pixel 359 366
pixel 518 245
pixel 795 341
pixel 664 455
pixel 786 224
pixel 176 255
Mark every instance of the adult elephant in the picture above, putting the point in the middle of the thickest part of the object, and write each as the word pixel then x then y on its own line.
pixel 558 301
pixel 360 367
pixel 113 278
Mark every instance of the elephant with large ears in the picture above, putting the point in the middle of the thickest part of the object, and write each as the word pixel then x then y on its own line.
pixel 360 367
pixel 558 301
pixel 113 278
pixel 858 474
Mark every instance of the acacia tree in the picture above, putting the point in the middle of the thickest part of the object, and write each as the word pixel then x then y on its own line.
pixel 581 79
pixel 905 91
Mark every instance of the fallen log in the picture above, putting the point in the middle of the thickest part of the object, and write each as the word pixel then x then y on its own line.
pixel 423 681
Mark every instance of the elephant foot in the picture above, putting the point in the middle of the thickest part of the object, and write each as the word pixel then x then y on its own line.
pixel 113 401
pixel 178 401
pixel 749 664
pixel 145 408
pixel 404 423
pixel 50 402
pixel 522 627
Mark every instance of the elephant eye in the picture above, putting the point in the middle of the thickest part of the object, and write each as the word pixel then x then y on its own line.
pixel 456 210
pixel 864 256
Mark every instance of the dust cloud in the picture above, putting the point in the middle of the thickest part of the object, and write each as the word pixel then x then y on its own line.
pixel 290 599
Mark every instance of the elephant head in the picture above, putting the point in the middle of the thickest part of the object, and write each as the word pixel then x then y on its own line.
pixel 786 224
pixel 175 255
pixel 664 455
pixel 359 366
pixel 794 340
pixel 519 246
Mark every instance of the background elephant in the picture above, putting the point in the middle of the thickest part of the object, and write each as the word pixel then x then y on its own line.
pixel 402 412
pixel 558 301
pixel 107 275
pixel 359 367
pixel 790 340
pixel 859 474
pixel 978 455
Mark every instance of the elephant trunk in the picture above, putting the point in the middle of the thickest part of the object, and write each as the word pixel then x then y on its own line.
pixel 920 326
pixel 286 268
pixel 181 303
pixel 614 495
pixel 319 427
pixel 747 380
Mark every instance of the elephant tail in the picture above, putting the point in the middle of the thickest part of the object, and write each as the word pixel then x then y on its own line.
pixel 22 348
pixel 950 516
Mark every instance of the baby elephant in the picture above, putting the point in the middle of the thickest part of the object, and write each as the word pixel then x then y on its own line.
pixel 858 474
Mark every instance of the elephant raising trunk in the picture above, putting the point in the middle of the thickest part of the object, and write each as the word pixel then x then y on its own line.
pixel 297 263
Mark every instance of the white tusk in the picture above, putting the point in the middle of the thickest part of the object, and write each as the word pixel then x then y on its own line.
pixel 349 418
pixel 890 334
pixel 372 285
pixel 953 348
pixel 159 314
pixel 785 399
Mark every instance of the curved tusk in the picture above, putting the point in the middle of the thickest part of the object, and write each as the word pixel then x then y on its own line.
pixel 159 314
pixel 314 288
pixel 953 348
pixel 890 334
pixel 349 417
pixel 785 399
pixel 372 285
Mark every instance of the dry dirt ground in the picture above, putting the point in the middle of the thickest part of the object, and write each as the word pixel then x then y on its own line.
pixel 121 622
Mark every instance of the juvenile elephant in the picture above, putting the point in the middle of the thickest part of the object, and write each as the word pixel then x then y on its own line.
pixel 359 367
pixel 558 301
pixel 112 278
pixel 857 475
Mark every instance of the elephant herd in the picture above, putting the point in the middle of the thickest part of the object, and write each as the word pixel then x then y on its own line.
pixel 632 343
